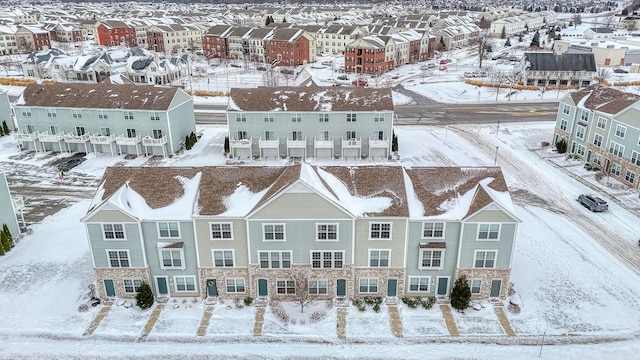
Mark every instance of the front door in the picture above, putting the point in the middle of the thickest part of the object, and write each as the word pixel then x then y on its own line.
pixel 341 288
pixel 161 285
pixel 262 287
pixel 495 288
pixel 212 287
pixel 443 284
pixel 392 287
pixel 109 289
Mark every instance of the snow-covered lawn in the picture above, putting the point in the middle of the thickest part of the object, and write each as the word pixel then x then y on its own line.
pixel 228 320
pixel 419 322
pixel 368 323
pixel 320 325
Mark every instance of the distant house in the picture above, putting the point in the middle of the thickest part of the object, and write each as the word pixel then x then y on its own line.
pixel 310 121
pixel 122 119
pixel 600 33
pixel 549 69
pixel 152 70
pixel 233 232
pixel 114 33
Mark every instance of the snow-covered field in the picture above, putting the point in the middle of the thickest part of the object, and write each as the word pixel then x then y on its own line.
pixel 571 290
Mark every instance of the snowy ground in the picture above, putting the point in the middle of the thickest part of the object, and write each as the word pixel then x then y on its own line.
pixel 570 287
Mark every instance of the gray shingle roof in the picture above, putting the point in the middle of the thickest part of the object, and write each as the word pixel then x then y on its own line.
pixel 566 62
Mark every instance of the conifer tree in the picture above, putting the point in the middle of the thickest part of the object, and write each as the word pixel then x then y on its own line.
pixel 508 42
pixel 460 294
pixel 535 42
pixel 5 229
pixel 5 128
pixel 503 34
pixel 144 298
pixel 1 251
pixel 6 246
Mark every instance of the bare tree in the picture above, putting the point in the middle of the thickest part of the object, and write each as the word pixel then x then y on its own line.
pixel 603 73
pixel 512 78
pixel 304 295
pixel 608 20
pixel 577 20
pixel 483 45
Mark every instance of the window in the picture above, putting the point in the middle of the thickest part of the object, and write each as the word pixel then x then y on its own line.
pixel 615 169
pixel 419 284
pixel 433 230
pixel 488 231
pixel 327 232
pixel 131 133
pixel 635 158
pixel 185 283
pixel 563 124
pixel 620 131
pixel 268 117
pixel 221 231
pixel 485 259
pixel 368 286
pixel 223 258
pixel 475 286
pixel 26 112
pixel 296 136
pixel 273 232
pixel 379 258
pixel 296 118
pixel 378 135
pixel 168 230
pixel 431 259
pixel 580 131
pixel 327 259
pixel 351 117
pixel 584 116
pixel 242 135
pixel 581 149
pixel 113 231
pixel 235 285
pixel 51 113
pixel 132 286
pixel 378 231
pixel 597 159
pixel 105 131
pixel 76 114
pixel 616 149
pixel 270 135
pixel 172 259
pixel 378 117
pixel 79 130
pixel 323 135
pixel 630 176
pixel 154 116
pixel 323 117
pixel 318 287
pixel 275 259
pixel 53 129
pixel 597 140
pixel 287 287
pixel 102 114
pixel 602 122
pixel 351 135
pixel 118 258
pixel 566 109
pixel 128 115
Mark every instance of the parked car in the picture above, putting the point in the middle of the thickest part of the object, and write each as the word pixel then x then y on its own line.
pixel 443 68
pixel 593 202
pixel 620 71
pixel 328 63
pixel 286 71
pixel 468 74
pixel 343 77
pixel 359 83
pixel 261 68
pixel 443 61
pixel 431 65
pixel 236 65
pixel 479 73
pixel 68 164
pixel 424 67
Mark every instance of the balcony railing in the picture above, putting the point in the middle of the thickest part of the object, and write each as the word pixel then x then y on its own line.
pixel 76 139
pixel 102 139
pixel 241 143
pixel 45 137
pixel 323 144
pixel 150 141
pixel 354 143
pixel 375 143
pixel 297 144
pixel 269 144
pixel 18 203
pixel 25 136
pixel 125 140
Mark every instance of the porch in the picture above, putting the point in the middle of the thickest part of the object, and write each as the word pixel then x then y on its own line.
pixel 269 147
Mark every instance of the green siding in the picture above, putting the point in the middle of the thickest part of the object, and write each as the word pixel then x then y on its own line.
pixel 504 245
pixel 490 216
pixel 5 110
pixel 108 216
pixel 181 119
pixel 396 244
pixel 205 245
pixel 300 206
pixel 7 214
pixel 99 245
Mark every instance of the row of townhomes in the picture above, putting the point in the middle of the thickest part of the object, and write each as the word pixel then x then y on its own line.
pixel 601 126
pixel 233 232
pixel 107 118
pixel 513 25
pixel 310 121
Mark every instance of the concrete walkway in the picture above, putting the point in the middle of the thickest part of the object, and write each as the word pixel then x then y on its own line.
pixel 506 325
pixel 204 323
pixel 341 323
pixel 257 326
pixel 151 322
pixel 98 319
pixel 449 320
pixel 396 323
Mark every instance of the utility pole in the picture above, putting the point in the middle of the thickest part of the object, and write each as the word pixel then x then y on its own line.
pixel 495 160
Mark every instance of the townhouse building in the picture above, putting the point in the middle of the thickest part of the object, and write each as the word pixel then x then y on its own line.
pixel 549 69
pixel 107 118
pixel 67 32
pixel 367 55
pixel 8 44
pixel 234 232
pixel 310 121
pixel 601 127
pixel 11 207
pixel 290 47
pixel 214 41
pixel 334 38
pixel 238 43
pixel 173 37
pixel 114 33
pixel 32 38
pixel 257 40
pixel 605 53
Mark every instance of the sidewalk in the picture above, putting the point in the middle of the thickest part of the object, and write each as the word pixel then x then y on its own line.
pixel 204 323
pixel 449 320
pixel 151 322
pixel 98 319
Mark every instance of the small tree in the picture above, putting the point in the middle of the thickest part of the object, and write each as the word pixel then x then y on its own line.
pixel 144 298
pixel 460 294
pixel 227 148
pixel 5 128
pixel 394 142
pixel 561 146
pixel 302 296
pixel 482 45
pixel 193 138
pixel 2 131
pixel 507 43
pixel 441 45
pixel 6 246
pixel 503 34
pixel 520 37
pixel 577 20
pixel 535 42
pixel 5 229
pixel 2 251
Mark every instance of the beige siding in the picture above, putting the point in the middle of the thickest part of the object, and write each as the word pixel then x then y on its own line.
pixel 205 244
pixel 490 216
pixel 110 216
pixel 300 206
pixel 396 244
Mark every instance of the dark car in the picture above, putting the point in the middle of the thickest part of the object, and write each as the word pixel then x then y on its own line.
pixel 68 164
pixel 620 71
pixel 261 68
pixel 593 203
pixel 286 71
pixel 343 77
